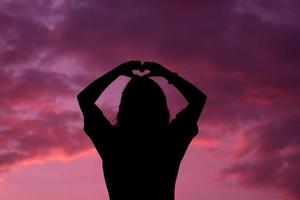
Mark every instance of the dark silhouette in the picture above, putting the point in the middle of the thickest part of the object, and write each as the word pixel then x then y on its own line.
pixel 141 154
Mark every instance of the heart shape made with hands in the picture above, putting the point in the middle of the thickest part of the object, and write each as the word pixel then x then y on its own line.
pixel 140 72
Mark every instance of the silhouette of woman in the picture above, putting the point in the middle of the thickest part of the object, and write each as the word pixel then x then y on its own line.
pixel 141 154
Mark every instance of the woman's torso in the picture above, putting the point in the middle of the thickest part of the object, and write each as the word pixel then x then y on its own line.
pixel 141 164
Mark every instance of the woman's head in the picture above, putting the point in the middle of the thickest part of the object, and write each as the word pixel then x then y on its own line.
pixel 143 103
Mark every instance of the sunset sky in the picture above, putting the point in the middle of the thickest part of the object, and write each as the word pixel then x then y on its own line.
pixel 243 54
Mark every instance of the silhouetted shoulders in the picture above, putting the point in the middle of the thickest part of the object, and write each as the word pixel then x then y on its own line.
pixel 185 124
pixel 94 120
pixel 96 126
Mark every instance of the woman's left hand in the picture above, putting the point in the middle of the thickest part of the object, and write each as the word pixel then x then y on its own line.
pixel 155 69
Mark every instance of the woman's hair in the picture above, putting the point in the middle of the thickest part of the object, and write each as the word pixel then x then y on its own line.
pixel 143 103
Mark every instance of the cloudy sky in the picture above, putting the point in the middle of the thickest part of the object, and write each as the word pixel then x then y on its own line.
pixel 244 54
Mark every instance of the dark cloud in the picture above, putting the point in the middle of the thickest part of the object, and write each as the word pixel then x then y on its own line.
pixel 270 158
pixel 33 125
pixel 22 39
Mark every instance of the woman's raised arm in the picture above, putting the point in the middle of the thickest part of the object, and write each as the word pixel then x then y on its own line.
pixel 195 98
pixel 92 92
pixel 94 119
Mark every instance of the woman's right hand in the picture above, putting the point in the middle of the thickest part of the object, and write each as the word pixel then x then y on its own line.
pixel 155 69
pixel 127 67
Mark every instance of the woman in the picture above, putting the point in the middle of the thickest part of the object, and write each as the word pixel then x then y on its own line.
pixel 141 154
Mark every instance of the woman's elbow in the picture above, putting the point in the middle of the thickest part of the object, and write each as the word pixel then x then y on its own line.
pixel 83 98
pixel 80 96
pixel 199 99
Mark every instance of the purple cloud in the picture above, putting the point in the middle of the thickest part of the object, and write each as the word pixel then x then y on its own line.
pixel 243 54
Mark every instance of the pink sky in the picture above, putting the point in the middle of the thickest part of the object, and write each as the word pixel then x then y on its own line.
pixel 244 54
